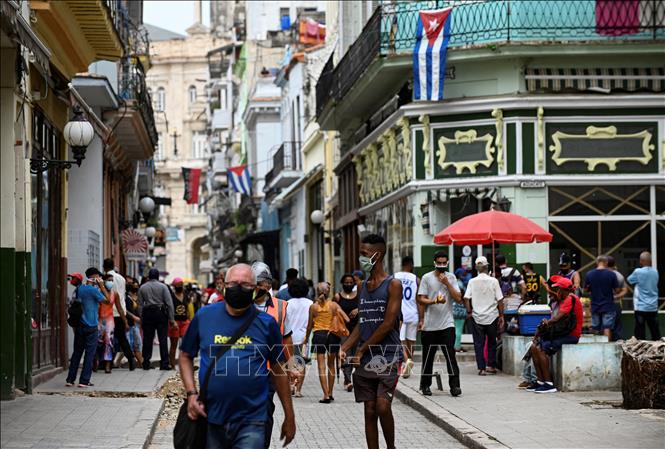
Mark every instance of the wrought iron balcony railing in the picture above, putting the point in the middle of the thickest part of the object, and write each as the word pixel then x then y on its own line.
pixel 132 86
pixel 120 19
pixel 286 158
pixel 476 23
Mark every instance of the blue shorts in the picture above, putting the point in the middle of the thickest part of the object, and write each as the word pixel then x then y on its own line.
pixel 551 347
pixel 603 320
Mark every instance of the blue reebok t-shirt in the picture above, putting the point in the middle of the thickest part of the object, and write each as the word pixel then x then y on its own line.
pixel 238 388
pixel 601 283
pixel 90 297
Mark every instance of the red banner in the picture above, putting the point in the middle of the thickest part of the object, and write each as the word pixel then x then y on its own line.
pixel 192 177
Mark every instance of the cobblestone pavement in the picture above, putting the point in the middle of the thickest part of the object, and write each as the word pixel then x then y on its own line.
pixel 521 420
pixel 338 425
pixel 81 422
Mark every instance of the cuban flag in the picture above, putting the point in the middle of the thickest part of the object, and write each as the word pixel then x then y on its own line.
pixel 429 54
pixel 240 180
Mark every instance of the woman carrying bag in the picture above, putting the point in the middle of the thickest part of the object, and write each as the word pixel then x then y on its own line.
pixel 324 320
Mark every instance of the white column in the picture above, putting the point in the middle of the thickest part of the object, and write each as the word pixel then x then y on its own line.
pixel 7 162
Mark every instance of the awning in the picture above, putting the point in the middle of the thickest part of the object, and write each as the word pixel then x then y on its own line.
pixel 16 27
pixel 278 201
pixel 595 80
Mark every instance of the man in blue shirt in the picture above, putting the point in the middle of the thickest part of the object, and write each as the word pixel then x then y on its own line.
pixel 645 298
pixel 603 284
pixel 235 402
pixel 86 333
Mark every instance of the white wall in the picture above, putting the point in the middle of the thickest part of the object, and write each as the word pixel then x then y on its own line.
pixel 86 211
pixel 266 138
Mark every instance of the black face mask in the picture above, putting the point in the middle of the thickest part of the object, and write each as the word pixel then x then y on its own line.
pixel 238 297
pixel 347 288
pixel 179 289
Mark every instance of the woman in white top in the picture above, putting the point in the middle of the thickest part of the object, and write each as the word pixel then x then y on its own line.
pixel 299 306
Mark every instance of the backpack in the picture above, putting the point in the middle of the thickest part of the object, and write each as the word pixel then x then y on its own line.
pixel 75 312
pixel 562 327
pixel 506 283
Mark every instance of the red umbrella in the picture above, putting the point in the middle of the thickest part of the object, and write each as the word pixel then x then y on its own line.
pixel 492 226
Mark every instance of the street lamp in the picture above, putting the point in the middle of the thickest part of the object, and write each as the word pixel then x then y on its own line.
pixel 150 232
pixel 147 205
pixel 78 134
pixel 238 253
pixel 317 217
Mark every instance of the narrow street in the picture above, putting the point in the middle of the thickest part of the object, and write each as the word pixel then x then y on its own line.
pixel 337 425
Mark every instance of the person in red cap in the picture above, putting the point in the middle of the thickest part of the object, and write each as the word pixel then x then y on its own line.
pixel 565 328
pixel 183 313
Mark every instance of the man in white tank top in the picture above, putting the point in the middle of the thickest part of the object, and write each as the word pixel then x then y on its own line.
pixel 411 312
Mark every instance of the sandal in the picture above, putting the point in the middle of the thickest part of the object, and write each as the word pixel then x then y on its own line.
pixel 349 387
pixel 298 394
pixel 324 401
pixel 492 371
pixel 482 372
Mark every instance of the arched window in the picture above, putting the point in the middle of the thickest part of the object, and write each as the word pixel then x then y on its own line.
pixel 161 99
pixel 192 94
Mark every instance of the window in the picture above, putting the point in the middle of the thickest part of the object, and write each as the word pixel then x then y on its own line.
pixel 159 154
pixel 199 145
pixel 161 100
pixel 192 94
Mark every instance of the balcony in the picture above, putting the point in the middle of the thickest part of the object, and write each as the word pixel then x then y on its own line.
pixel 136 131
pixel 221 119
pixel 391 31
pixel 286 166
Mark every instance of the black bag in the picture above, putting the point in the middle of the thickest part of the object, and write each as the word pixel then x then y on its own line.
pixel 75 311
pixel 74 314
pixel 562 327
pixel 188 434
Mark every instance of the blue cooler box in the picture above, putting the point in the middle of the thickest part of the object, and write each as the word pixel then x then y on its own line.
pixel 530 316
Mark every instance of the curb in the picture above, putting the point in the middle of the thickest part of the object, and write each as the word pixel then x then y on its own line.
pixel 153 427
pixel 459 429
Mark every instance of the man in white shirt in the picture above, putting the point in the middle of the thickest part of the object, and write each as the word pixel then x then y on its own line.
pixel 484 302
pixel 438 289
pixel 412 313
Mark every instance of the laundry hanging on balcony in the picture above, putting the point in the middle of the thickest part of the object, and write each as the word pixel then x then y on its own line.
pixel 429 54
pixel 311 32
pixel 192 177
pixel 240 179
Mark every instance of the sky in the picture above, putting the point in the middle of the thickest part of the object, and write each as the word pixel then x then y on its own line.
pixel 173 15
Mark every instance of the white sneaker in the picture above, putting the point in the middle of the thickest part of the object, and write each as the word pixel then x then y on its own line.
pixel 408 367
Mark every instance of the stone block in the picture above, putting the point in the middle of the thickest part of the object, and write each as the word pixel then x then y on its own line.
pixel 588 367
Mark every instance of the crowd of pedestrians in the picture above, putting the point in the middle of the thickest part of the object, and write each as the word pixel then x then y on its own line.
pixel 367 330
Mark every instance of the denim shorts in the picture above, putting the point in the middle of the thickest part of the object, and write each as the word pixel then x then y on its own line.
pixel 603 320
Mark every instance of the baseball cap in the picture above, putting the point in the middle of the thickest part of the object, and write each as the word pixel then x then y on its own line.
pixel 177 280
pixel 261 271
pixel 561 281
pixel 564 259
pixel 481 260
pixel 75 275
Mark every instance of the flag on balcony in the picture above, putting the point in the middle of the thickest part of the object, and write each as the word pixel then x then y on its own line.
pixel 429 54
pixel 240 179
pixel 191 177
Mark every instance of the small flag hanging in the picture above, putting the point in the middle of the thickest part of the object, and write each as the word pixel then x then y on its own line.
pixel 429 54
pixel 240 179
pixel 192 177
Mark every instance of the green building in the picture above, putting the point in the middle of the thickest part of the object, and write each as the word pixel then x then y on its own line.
pixel 553 110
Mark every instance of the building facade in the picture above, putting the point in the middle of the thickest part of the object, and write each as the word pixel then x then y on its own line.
pixel 39 96
pixel 552 110
pixel 177 81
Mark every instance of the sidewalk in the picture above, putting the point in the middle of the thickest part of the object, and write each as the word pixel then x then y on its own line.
pixel 120 411
pixel 493 413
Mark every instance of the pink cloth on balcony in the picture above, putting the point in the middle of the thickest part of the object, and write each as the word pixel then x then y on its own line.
pixel 617 17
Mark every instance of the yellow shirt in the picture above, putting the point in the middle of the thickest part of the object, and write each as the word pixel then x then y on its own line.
pixel 323 318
